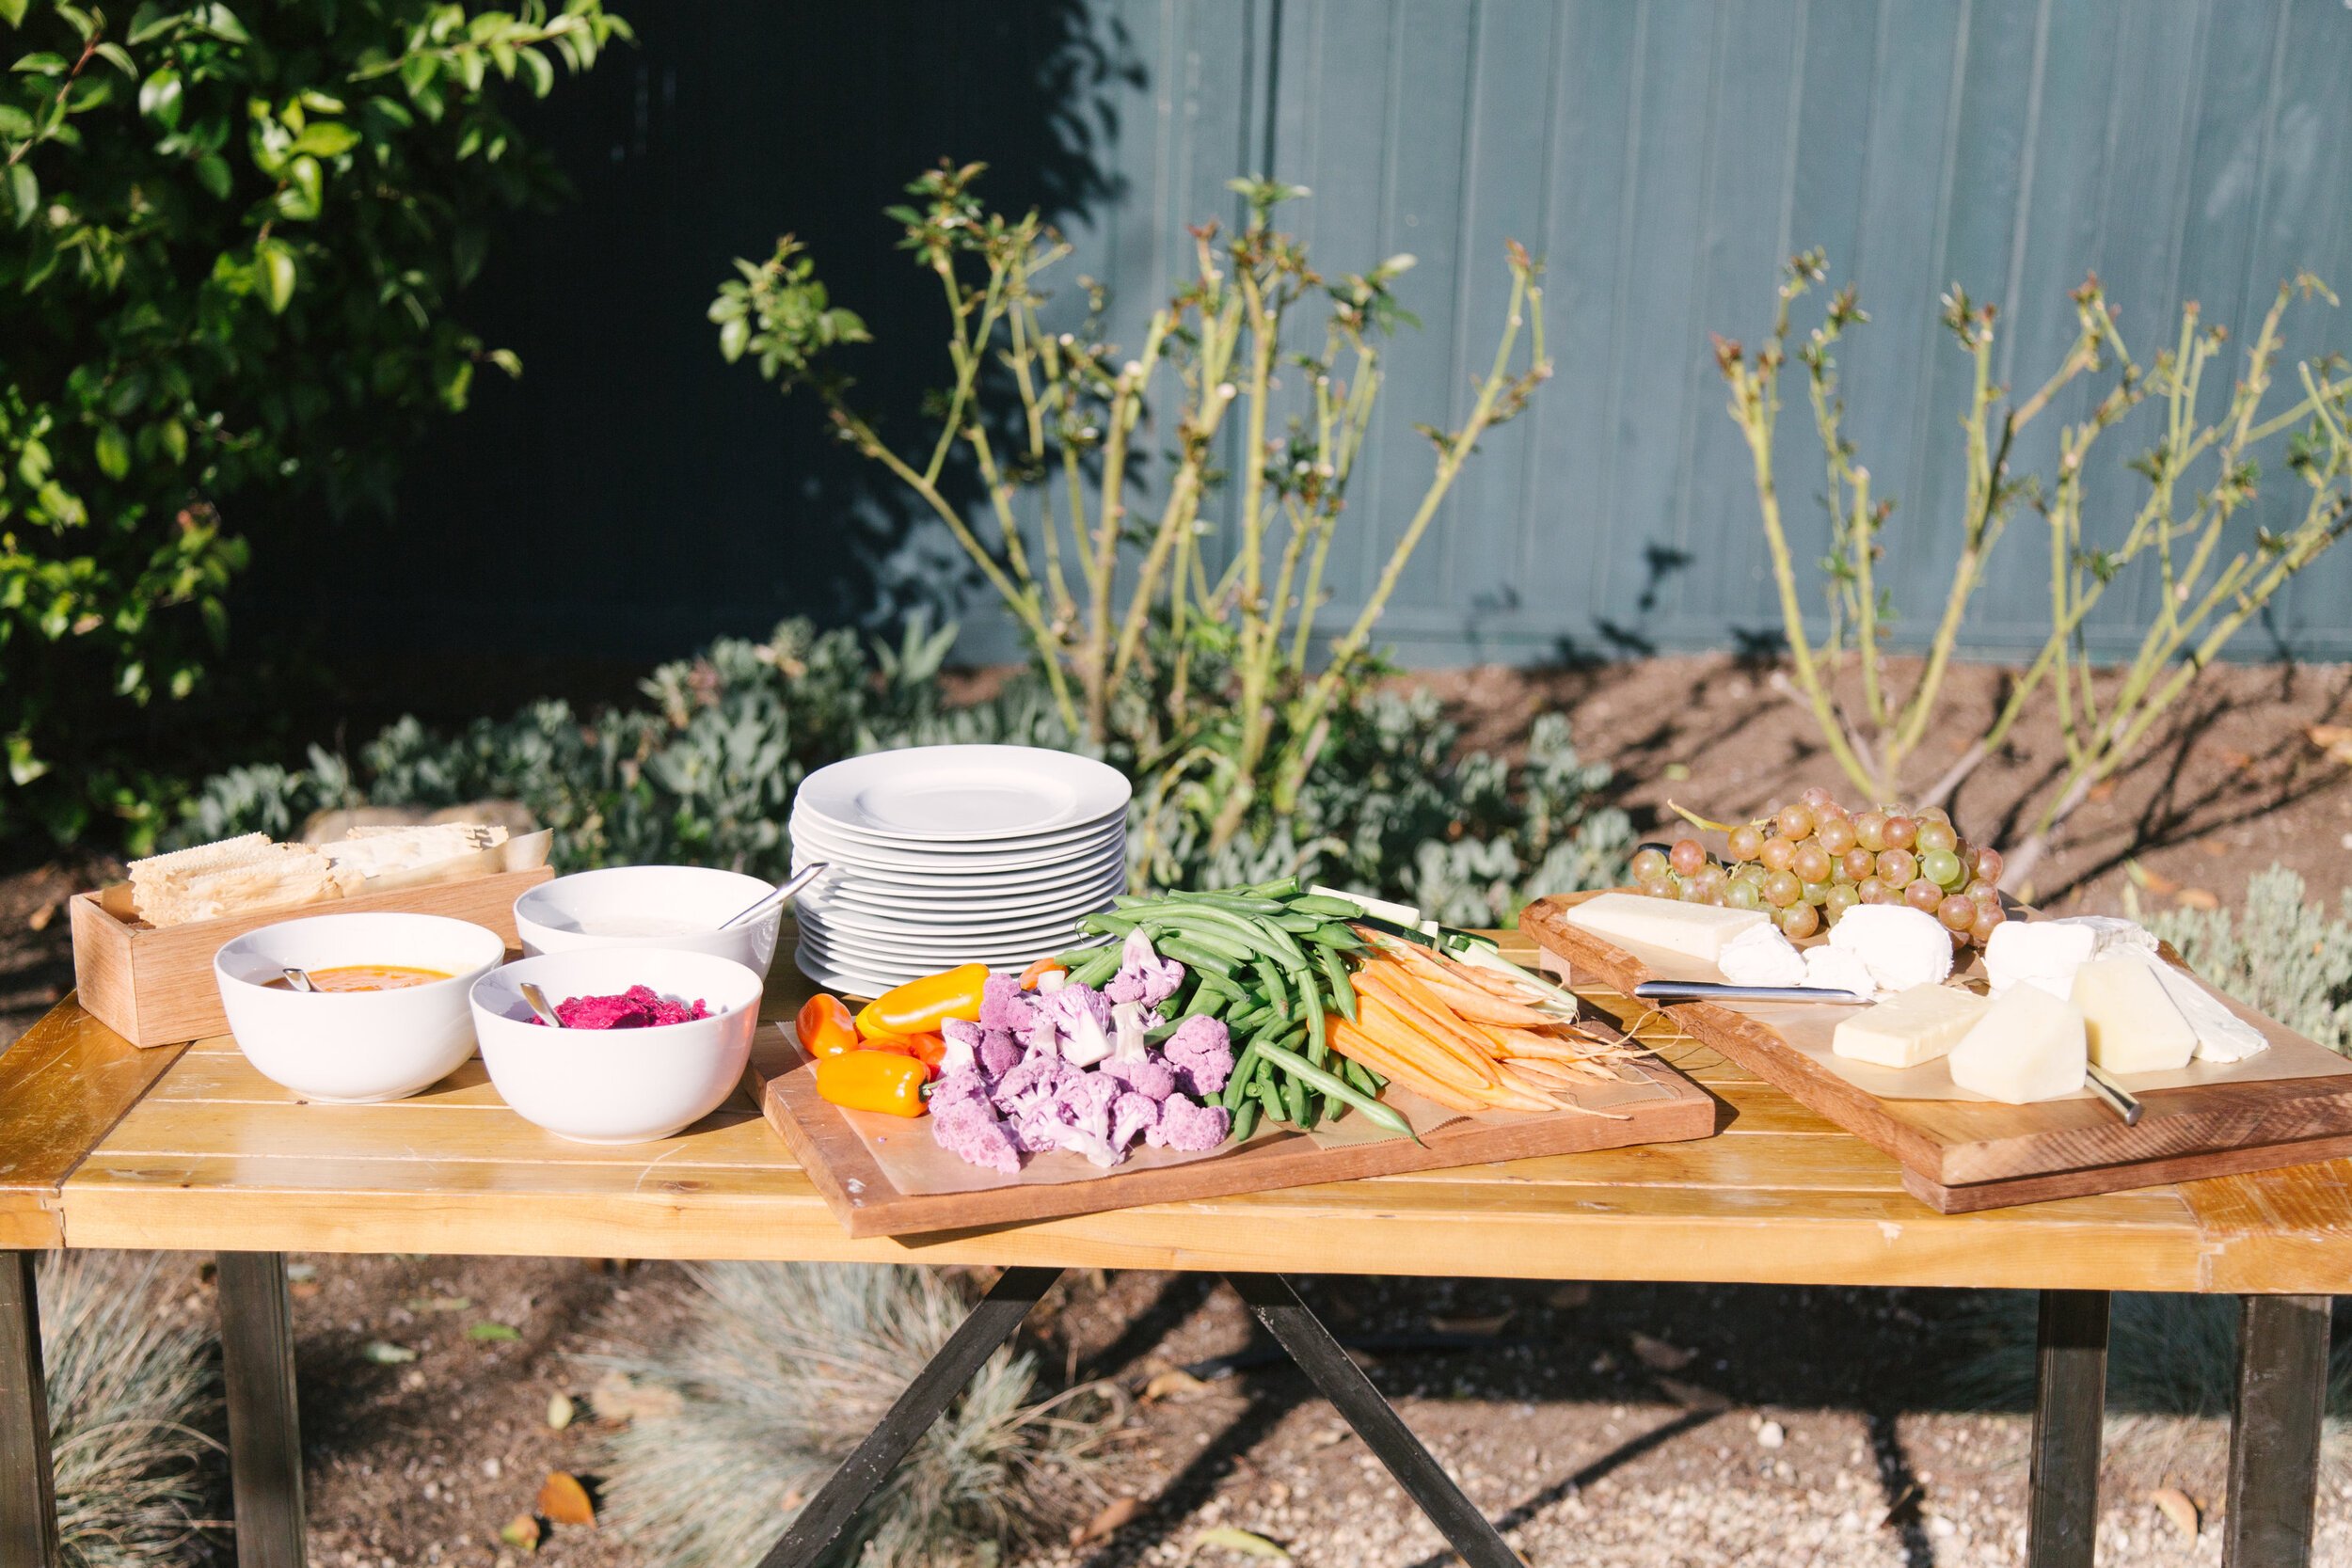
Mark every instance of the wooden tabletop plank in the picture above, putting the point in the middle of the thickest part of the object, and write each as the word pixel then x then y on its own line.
pixel 63 1083
pixel 216 1156
pixel 1389 1227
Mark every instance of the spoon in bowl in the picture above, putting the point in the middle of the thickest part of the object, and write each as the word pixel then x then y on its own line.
pixel 539 1004
pixel 789 886
pixel 298 979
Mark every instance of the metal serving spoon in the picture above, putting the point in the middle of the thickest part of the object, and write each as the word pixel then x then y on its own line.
pixel 298 979
pixel 539 1004
pixel 777 895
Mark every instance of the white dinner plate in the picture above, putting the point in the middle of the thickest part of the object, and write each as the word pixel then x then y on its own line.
pixel 896 911
pixel 844 923
pixel 862 983
pixel 1108 860
pixel 855 950
pixel 962 794
pixel 967 854
pixel 817 845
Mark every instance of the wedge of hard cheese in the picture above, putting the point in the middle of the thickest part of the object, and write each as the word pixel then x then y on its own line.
pixel 2028 1045
pixel 1909 1027
pixel 1691 930
pixel 2133 1024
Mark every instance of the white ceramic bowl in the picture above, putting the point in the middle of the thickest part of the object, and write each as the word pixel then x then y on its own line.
pixel 600 909
pixel 617 1086
pixel 355 1046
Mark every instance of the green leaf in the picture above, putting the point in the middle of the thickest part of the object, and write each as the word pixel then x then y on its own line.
pixel 159 95
pixel 115 55
pixel 328 138
pixel 277 264
pixel 385 1354
pixel 24 193
pixel 491 1333
pixel 114 453
pixel 542 75
pixel 41 63
pixel 12 12
pixel 211 172
pixel 222 24
pixel 1245 1542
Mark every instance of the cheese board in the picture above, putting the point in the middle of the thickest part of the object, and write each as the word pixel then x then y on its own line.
pixel 1959 1155
pixel 838 1149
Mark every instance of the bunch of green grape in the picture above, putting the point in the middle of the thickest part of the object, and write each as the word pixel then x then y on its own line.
pixel 1808 864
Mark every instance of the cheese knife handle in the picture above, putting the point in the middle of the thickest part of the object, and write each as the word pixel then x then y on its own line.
pixel 2119 1099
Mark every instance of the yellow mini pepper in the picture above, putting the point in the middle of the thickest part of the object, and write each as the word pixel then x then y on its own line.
pixel 884 1081
pixel 920 1007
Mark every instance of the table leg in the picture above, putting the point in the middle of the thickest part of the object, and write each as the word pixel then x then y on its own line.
pixel 257 1363
pixel 2274 1440
pixel 2069 1411
pixel 28 1502
pixel 1351 1393
pixel 926 1399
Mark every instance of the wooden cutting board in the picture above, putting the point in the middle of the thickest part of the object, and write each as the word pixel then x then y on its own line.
pixel 844 1169
pixel 1960 1155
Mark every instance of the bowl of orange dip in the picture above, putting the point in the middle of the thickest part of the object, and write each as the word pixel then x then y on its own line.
pixel 388 1015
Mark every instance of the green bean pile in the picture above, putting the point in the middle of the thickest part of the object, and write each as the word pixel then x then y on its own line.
pixel 1271 962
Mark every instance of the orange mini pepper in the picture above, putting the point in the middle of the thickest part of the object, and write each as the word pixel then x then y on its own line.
pixel 884 1081
pixel 1039 970
pixel 920 1007
pixel 930 1050
pixel 825 1028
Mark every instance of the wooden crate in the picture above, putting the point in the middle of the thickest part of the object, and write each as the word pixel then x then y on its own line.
pixel 155 986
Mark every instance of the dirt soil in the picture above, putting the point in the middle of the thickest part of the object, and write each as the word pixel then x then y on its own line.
pixel 1609 1424
pixel 1602 1424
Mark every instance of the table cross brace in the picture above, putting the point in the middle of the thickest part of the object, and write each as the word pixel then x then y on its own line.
pixel 1328 1365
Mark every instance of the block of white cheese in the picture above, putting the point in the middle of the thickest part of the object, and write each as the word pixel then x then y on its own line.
pixel 2221 1035
pixel 1691 930
pixel 1761 955
pixel 2041 952
pixel 1909 1027
pixel 1828 968
pixel 1899 945
pixel 2133 1024
pixel 2028 1045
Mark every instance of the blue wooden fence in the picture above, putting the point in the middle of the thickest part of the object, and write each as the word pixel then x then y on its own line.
pixel 1662 154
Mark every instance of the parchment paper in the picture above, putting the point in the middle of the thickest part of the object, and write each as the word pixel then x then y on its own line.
pixel 917 1167
pixel 1807 1026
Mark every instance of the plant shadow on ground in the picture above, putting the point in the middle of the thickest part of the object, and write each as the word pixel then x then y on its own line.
pixel 1691 1355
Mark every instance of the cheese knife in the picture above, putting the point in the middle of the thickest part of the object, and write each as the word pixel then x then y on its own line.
pixel 1715 991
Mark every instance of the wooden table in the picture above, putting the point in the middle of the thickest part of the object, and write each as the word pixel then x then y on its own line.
pixel 187 1148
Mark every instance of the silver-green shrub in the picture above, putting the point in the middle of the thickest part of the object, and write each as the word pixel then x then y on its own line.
pixel 2281 955
pixel 782 1367
pixel 132 1400
pixel 704 773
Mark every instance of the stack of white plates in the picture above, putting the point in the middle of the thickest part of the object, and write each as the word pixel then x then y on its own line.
pixel 942 855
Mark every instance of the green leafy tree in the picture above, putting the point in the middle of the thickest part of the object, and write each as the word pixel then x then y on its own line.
pixel 228 247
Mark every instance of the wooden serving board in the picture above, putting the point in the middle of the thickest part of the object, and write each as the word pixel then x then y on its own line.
pixel 1961 1155
pixel 844 1169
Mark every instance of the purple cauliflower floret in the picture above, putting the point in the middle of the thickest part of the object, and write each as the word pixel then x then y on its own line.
pixel 1035 1077
pixel 1151 1077
pixel 1202 1052
pixel 1143 975
pixel 1188 1126
pixel 1086 1101
pixel 964 1043
pixel 1003 1005
pixel 1000 1052
pixel 1133 1113
pixel 1039 1036
pixel 958 1086
pixel 1038 1126
pixel 971 1132
pixel 1096 1148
